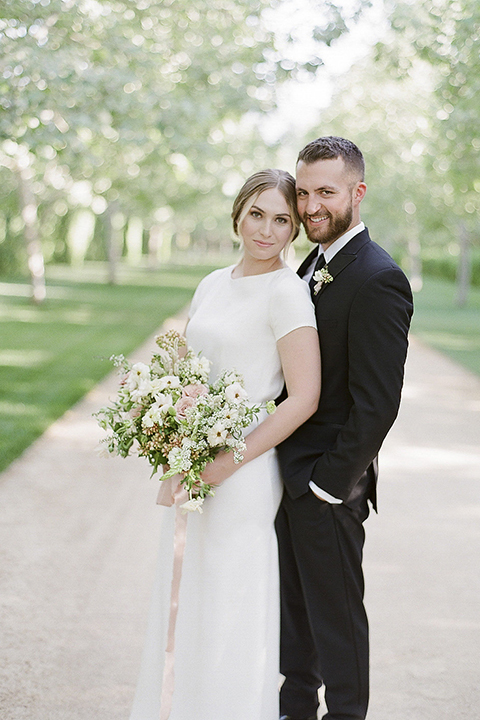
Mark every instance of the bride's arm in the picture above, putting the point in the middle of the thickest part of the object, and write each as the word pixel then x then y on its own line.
pixel 300 357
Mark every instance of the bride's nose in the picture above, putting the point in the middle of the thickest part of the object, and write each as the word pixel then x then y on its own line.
pixel 266 229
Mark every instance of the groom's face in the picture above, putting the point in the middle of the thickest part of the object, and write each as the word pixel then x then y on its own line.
pixel 328 199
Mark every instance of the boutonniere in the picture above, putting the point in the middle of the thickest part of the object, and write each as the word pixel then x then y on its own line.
pixel 322 277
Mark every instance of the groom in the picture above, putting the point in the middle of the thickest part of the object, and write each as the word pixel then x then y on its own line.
pixel 363 307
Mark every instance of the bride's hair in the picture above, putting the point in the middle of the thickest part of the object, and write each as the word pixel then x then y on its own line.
pixel 258 183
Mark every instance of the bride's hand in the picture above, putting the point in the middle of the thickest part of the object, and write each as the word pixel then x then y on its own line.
pixel 220 469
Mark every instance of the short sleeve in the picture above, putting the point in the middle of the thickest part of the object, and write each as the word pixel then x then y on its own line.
pixel 291 306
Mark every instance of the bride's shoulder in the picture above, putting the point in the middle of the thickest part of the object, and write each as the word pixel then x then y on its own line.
pixel 289 278
pixel 214 276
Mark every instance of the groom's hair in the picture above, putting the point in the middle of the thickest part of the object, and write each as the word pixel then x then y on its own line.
pixel 332 147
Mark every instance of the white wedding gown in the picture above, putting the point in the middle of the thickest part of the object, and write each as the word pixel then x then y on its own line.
pixel 227 632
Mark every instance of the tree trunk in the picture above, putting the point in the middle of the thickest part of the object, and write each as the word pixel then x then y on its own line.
pixel 464 268
pixel 414 258
pixel 112 253
pixel 36 265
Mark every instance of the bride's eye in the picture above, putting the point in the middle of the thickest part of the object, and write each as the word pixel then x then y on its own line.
pixel 255 214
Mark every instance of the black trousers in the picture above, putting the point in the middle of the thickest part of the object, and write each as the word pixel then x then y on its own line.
pixel 324 624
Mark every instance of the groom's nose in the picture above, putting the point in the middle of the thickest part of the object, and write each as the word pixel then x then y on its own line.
pixel 313 205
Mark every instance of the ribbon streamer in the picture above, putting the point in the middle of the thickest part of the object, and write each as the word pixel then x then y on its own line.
pixel 172 492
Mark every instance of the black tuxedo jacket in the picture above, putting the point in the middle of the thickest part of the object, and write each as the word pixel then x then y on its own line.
pixel 363 317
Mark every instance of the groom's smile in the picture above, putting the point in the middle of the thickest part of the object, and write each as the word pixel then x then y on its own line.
pixel 316 220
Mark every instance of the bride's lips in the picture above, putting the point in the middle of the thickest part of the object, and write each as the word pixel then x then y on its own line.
pixel 262 244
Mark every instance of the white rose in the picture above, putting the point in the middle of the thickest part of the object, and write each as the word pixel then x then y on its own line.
pixel 235 393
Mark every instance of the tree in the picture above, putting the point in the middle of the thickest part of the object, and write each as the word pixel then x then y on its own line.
pixel 146 105
pixel 446 36
pixel 411 106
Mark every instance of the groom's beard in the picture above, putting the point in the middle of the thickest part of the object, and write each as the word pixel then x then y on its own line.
pixel 337 226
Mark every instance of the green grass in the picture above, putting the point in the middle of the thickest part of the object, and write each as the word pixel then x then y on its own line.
pixel 453 330
pixel 51 355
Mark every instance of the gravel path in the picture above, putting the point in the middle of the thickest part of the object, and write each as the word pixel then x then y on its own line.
pixel 79 538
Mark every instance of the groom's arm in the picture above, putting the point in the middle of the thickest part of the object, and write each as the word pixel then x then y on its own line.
pixel 377 345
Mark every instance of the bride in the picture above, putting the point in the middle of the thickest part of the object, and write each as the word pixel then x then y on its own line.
pixel 256 317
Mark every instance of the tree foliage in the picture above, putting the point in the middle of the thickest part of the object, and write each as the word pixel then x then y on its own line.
pixel 412 106
pixel 136 108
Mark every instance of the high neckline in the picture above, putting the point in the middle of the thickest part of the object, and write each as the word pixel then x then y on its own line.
pixel 258 275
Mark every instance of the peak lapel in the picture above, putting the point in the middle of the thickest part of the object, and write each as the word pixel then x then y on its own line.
pixel 344 257
pixel 335 267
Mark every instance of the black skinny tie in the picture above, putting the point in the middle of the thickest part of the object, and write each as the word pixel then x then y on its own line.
pixel 318 266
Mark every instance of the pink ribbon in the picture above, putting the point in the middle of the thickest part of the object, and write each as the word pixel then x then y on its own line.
pixel 172 492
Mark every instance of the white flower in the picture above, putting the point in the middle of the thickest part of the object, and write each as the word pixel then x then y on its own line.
pixel 156 386
pixel 321 277
pixel 137 381
pixel 157 410
pixel 175 458
pixel 205 365
pixel 168 382
pixel 163 402
pixel 230 415
pixel 138 375
pixel 140 392
pixel 271 407
pixel 152 416
pixel 217 435
pixel 200 366
pixel 235 393
pixel 193 505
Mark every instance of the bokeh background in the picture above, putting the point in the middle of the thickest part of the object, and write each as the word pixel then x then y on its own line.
pixel 127 127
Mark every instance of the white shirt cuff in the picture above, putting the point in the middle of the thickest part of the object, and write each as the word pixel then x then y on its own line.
pixel 324 495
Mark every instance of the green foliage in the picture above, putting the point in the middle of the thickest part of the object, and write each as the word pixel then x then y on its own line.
pixel 452 330
pixel 437 263
pixel 51 355
pixel 139 108
pixel 412 107
pixel 444 37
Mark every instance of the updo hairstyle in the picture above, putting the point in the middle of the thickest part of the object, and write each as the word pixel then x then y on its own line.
pixel 258 183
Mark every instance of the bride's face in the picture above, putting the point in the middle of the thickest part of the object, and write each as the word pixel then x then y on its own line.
pixel 267 226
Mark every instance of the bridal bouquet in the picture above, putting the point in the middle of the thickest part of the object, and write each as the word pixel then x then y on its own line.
pixel 168 412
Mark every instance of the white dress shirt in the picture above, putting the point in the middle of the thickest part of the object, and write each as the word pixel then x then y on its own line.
pixel 330 253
